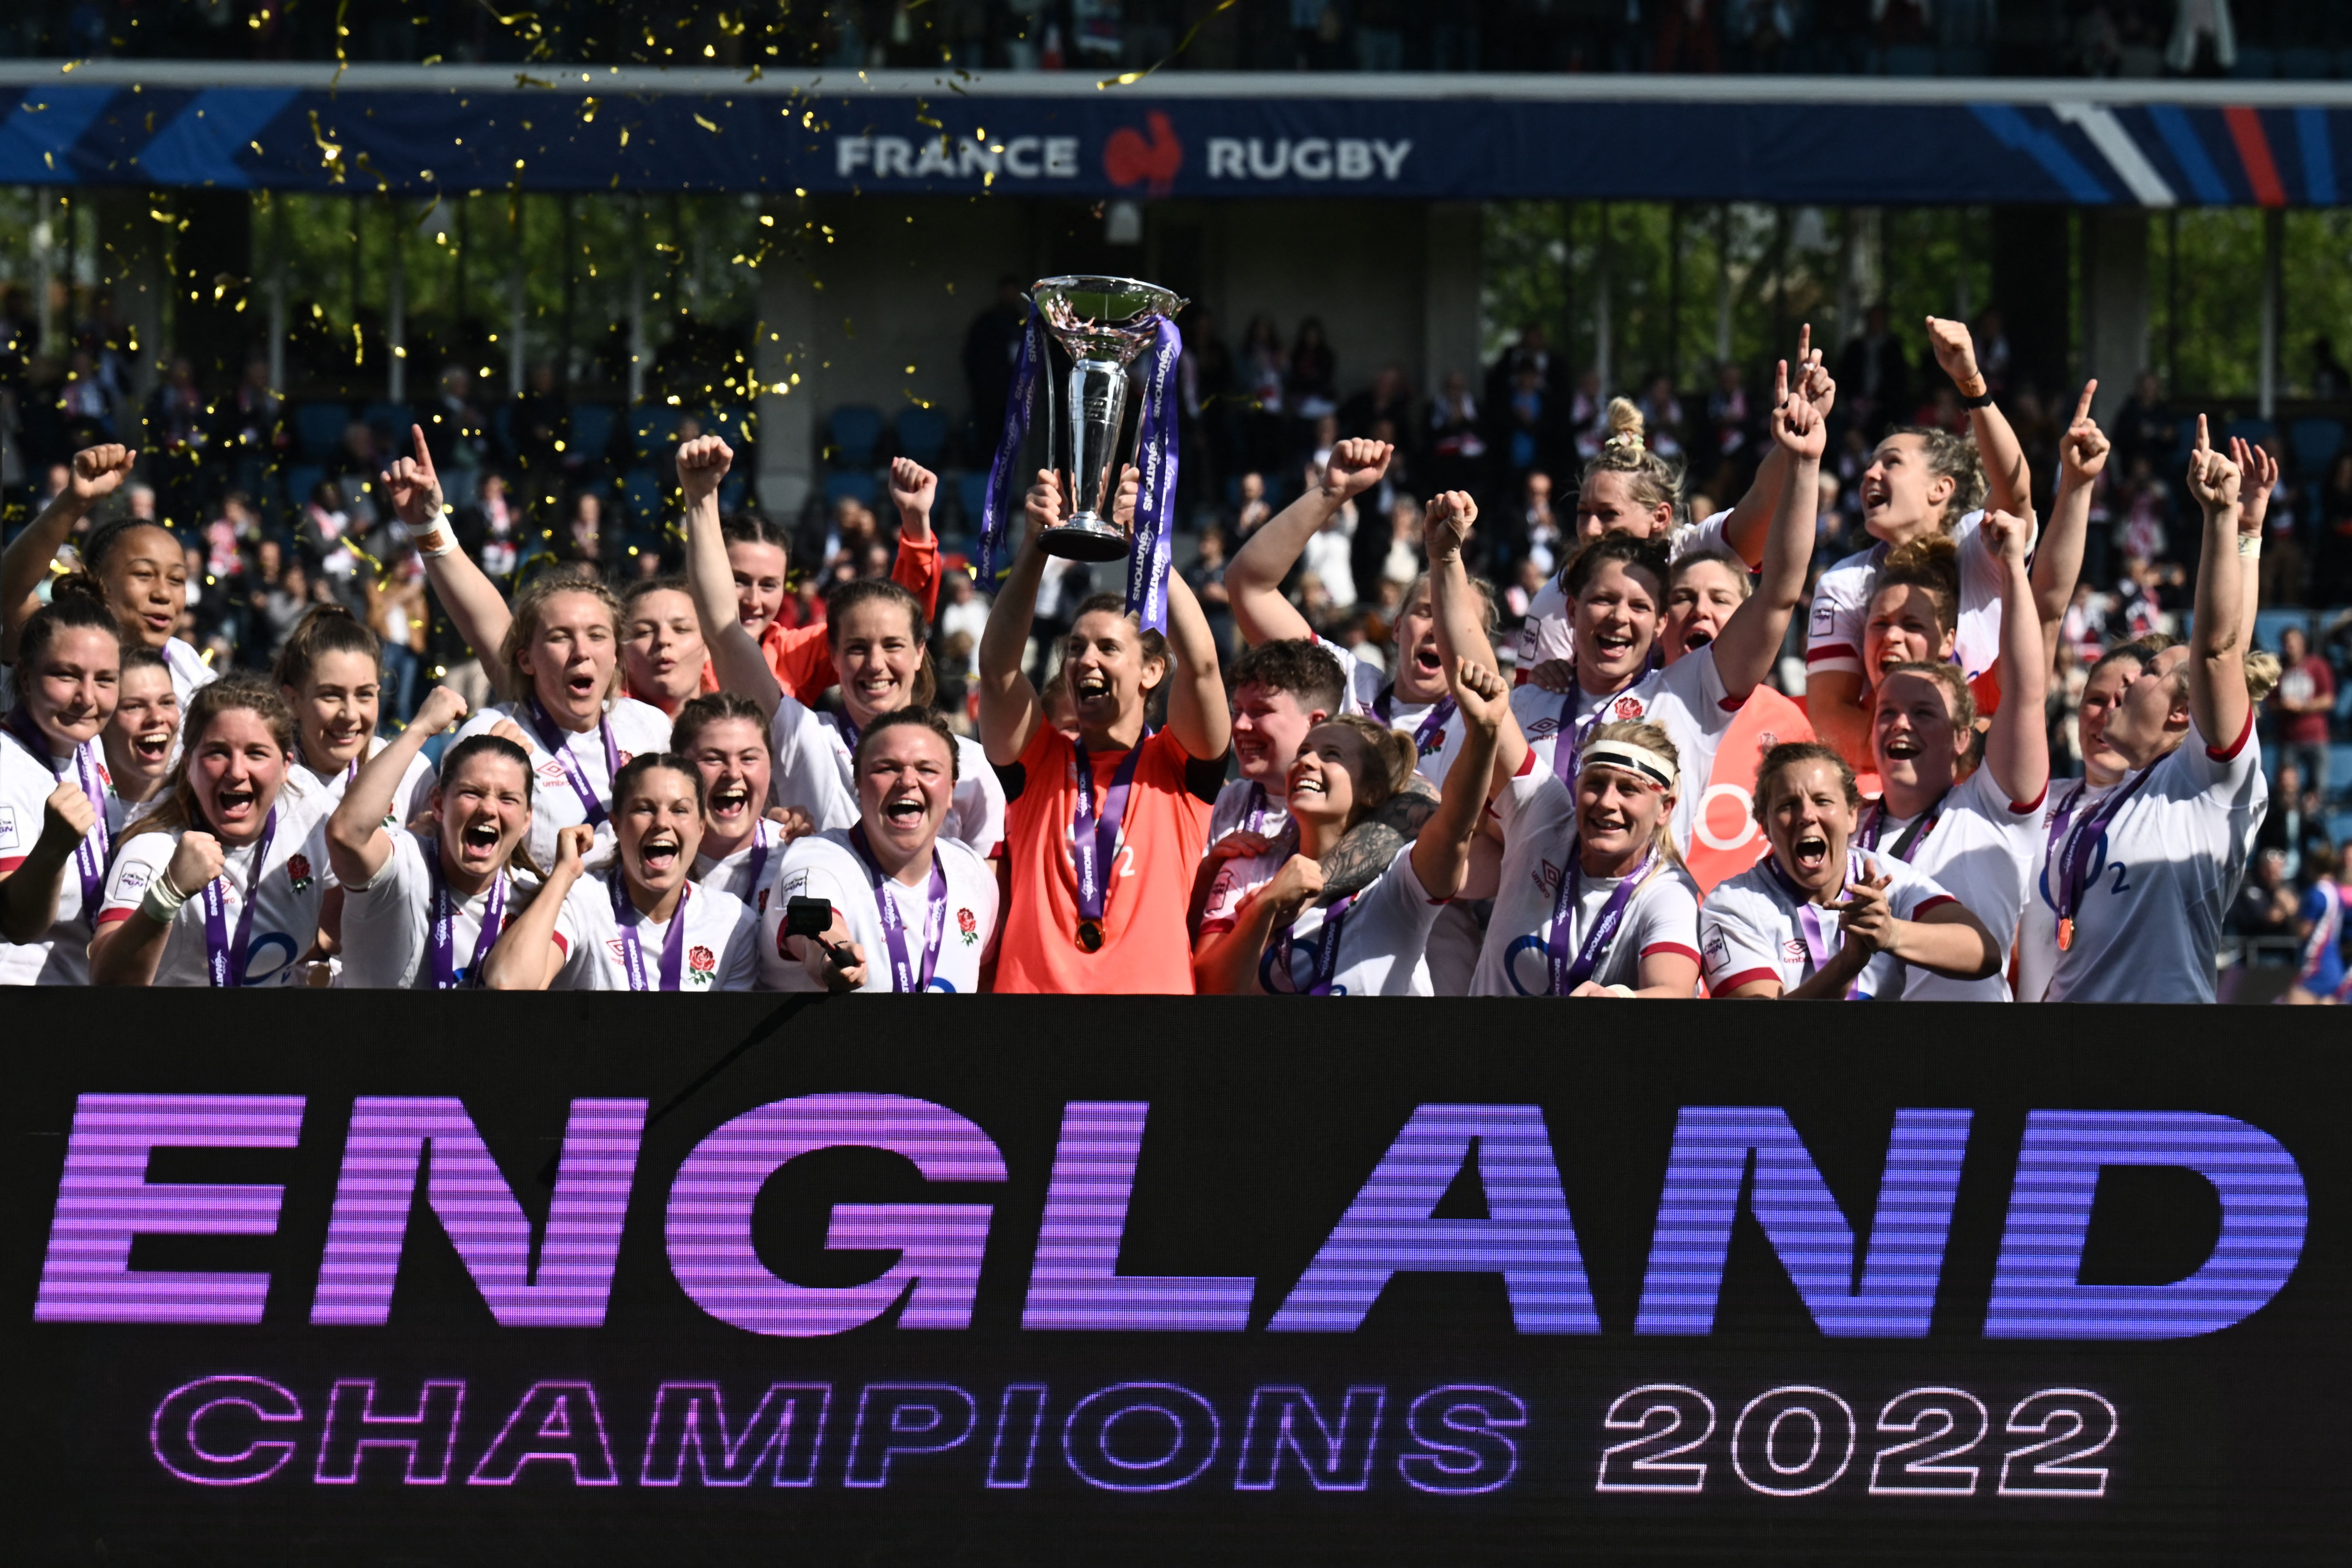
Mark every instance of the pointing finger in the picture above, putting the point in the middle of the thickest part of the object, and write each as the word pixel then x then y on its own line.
pixel 2082 407
pixel 1779 382
pixel 2204 439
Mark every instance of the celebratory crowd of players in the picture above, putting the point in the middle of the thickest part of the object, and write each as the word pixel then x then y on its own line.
pixel 657 804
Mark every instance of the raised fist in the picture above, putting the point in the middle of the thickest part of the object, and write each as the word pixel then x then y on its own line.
pixel 440 708
pixel 1356 466
pixel 98 470
pixel 196 861
pixel 1445 527
pixel 702 463
pixel 913 487
pixel 67 816
pixel 1956 351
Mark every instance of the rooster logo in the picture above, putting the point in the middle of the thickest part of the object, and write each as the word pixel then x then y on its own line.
pixel 1130 160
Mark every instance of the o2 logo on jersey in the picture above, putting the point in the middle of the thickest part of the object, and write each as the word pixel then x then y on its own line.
pixel 701 966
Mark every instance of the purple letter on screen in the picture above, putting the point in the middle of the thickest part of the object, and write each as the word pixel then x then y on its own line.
pixel 554 1423
pixel 1075 1283
pixel 2036 1292
pixel 895 1418
pixel 1527 1237
pixel 236 1407
pixel 477 1209
pixel 689 1434
pixel 940 1245
pixel 104 1201
pixel 1807 1231
pixel 424 1440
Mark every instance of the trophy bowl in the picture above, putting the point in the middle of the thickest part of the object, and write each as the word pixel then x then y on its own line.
pixel 1105 324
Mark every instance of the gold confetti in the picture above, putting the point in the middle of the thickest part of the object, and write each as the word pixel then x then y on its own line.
pixel 706 125
pixel 359 344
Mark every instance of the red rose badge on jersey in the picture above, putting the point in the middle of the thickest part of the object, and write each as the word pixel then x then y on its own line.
pixel 701 963
pixel 967 927
pixel 1629 707
pixel 298 868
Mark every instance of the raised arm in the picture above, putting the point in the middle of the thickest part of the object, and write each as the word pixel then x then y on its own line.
pixel 129 952
pixel 1253 577
pixel 528 957
pixel 2058 556
pixel 913 489
pixel 95 473
pixel 1751 521
pixel 2218 700
pixel 2017 748
pixel 1751 639
pixel 1945 939
pixel 2258 474
pixel 2008 483
pixel 1461 621
pixel 29 892
pixel 1440 853
pixel 1197 712
pixel 1009 710
pixel 735 655
pixel 474 606
pixel 357 843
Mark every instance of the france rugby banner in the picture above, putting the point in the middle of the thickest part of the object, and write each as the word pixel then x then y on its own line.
pixel 399 129
pixel 583 1279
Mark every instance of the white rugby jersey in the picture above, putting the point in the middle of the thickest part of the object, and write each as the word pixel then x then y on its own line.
pixel 1981 849
pixel 2162 876
pixel 638 728
pixel 388 921
pixel 717 951
pixel 412 794
pixel 1750 928
pixel 61 956
pixel 823 865
pixel 286 894
pixel 1549 630
pixel 1383 942
pixel 805 740
pixel 1841 612
pixel 2037 922
pixel 1539 817
pixel 1366 681
pixel 1242 806
pixel 750 873
pixel 1686 699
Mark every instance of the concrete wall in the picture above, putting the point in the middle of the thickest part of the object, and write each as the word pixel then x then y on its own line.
pixel 901 281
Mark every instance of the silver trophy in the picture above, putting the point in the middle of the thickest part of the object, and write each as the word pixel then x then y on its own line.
pixel 1106 324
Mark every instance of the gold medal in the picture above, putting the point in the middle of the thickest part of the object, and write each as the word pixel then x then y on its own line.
pixel 2065 934
pixel 1090 935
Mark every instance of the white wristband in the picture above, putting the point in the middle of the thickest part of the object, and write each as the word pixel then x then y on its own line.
pixel 439 539
pixel 2250 546
pixel 163 901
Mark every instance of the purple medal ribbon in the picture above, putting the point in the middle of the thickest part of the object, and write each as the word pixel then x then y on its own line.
pixel 1817 951
pixel 904 980
pixel 1254 819
pixel 758 857
pixel 633 956
pixel 1567 974
pixel 557 743
pixel 1277 958
pixel 1155 502
pixel 1923 825
pixel 1094 841
pixel 443 927
pixel 1428 737
pixel 999 505
pixel 1567 745
pixel 89 854
pixel 2072 852
pixel 224 966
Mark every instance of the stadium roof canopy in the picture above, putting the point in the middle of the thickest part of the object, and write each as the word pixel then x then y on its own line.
pixel 414 130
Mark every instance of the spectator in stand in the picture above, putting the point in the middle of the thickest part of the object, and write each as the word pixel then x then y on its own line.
pixel 1689 37
pixel 490 530
pixel 2294 825
pixel 539 420
pixel 1662 411
pixel 458 436
pixel 1456 449
pixel 582 538
pixel 2204 40
pixel 1532 351
pixel 1540 534
pixel 397 611
pixel 1527 438
pixel 2304 701
pixel 1206 576
pixel 1586 419
pixel 2144 427
pixel 1726 415
pixel 1264 375
pixel 1254 508
pixel 1387 398
pixel 1314 373
pixel 324 533
pixel 1328 557
pixel 178 432
pixel 2265 905
pixel 1876 374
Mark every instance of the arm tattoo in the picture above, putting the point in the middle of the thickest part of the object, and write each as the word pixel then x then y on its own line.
pixel 1358 858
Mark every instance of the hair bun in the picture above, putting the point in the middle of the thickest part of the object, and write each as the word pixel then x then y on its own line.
pixel 1626 426
pixel 77 583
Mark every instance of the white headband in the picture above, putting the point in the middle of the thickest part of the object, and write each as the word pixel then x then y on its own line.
pixel 1634 758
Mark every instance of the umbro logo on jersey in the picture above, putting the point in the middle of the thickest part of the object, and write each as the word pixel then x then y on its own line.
pixel 1794 950
pixel 551 771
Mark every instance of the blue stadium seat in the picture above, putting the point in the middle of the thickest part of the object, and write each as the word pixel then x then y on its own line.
pixel 300 481
pixel 592 431
pixel 2255 65
pixel 859 487
pixel 732 424
pixel 389 420
pixel 2305 65
pixel 641 494
pixel 318 429
pixel 855 432
pixel 923 435
pixel 2314 444
pixel 652 427
pixel 2339 775
pixel 972 498
pixel 732 490
pixel 2251 431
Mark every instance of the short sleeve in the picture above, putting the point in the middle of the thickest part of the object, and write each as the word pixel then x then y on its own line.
pixel 1524 793
pixel 739 968
pixel 2222 769
pixel 136 866
pixel 1732 951
pixel 1670 919
pixel 395 874
pixel 1910 893
pixel 1709 535
pixel 575 936
pixel 1834 625
pixel 807 773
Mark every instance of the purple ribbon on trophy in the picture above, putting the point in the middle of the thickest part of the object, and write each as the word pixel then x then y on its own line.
pixel 1105 324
